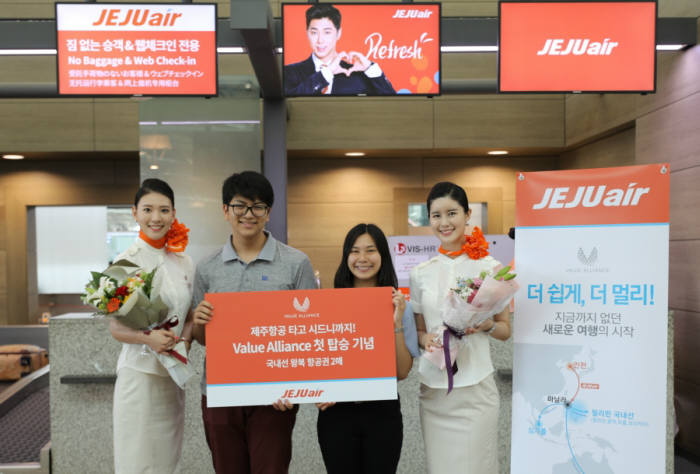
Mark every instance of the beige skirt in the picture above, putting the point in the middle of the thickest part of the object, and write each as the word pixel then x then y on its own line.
pixel 149 416
pixel 460 430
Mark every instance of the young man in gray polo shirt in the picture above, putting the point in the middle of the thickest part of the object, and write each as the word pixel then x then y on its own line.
pixel 255 439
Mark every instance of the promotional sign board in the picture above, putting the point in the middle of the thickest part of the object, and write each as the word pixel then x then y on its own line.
pixel 590 350
pixel 577 46
pixel 361 49
pixel 304 346
pixel 136 49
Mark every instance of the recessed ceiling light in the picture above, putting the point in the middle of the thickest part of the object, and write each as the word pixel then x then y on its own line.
pixel 153 167
pixel 498 152
pixel 13 157
pixel 355 153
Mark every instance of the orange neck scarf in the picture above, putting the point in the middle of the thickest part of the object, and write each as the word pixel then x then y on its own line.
pixel 176 239
pixel 475 246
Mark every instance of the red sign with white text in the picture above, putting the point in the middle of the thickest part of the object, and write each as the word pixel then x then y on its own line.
pixel 136 49
pixel 622 195
pixel 577 46
pixel 300 345
pixel 402 41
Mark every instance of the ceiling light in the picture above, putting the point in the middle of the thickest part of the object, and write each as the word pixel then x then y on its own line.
pixel 355 153
pixel 498 152
pixel 13 157
pixel 468 49
pixel 27 52
pixel 153 167
pixel 670 47
pixel 230 50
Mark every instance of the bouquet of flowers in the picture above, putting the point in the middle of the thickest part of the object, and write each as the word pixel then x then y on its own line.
pixel 469 304
pixel 131 295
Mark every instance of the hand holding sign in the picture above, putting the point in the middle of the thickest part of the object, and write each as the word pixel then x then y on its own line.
pixel 299 346
pixel 399 301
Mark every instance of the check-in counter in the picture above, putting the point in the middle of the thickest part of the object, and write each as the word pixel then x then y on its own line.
pixel 83 364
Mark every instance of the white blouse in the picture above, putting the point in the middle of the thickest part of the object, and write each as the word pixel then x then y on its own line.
pixel 177 274
pixel 430 282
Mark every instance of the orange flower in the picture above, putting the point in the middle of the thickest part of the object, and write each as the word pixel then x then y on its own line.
pixel 177 238
pixel 113 305
pixel 475 246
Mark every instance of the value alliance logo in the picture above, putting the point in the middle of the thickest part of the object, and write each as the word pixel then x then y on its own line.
pixel 588 256
pixel 302 307
pixel 591 259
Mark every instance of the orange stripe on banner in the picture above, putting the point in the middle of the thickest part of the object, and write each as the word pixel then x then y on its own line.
pixel 622 195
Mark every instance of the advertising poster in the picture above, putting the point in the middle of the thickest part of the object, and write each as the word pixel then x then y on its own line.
pixel 577 46
pixel 407 251
pixel 304 346
pixel 361 49
pixel 136 49
pixel 590 352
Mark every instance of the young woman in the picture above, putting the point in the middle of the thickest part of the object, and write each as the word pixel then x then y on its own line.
pixel 148 405
pixel 460 429
pixel 366 437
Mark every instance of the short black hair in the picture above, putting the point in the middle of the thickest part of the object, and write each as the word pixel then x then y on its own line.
pixel 323 10
pixel 451 190
pixel 386 275
pixel 249 184
pixel 154 185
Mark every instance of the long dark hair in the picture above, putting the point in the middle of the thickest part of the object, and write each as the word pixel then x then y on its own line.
pixel 386 275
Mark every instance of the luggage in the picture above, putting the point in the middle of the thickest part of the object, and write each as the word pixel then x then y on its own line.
pixel 18 360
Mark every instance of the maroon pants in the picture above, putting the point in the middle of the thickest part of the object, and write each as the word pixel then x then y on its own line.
pixel 252 439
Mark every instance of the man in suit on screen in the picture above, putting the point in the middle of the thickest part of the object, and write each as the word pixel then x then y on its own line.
pixel 328 71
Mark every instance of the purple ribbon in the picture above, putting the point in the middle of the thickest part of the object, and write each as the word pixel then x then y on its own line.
pixel 449 366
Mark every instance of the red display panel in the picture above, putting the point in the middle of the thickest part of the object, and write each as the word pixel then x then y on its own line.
pixel 577 46
pixel 361 49
pixel 136 49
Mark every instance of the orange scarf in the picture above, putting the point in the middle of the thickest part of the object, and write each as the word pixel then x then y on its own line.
pixel 475 246
pixel 176 239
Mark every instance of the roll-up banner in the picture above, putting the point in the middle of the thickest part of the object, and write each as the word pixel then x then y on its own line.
pixel 590 348
pixel 136 49
pixel 354 49
pixel 577 46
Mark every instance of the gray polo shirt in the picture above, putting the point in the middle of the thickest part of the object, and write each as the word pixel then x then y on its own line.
pixel 277 267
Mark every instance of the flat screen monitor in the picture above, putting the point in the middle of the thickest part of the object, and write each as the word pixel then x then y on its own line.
pixel 353 49
pixel 582 46
pixel 108 49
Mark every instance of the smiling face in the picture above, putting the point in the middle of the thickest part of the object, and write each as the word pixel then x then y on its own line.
pixel 323 36
pixel 364 261
pixel 154 214
pixel 448 222
pixel 248 225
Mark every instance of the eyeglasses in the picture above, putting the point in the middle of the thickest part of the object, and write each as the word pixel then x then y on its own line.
pixel 258 210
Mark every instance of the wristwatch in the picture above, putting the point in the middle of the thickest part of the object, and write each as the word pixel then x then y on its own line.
pixel 493 328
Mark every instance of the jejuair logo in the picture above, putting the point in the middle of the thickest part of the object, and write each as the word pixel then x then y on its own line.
pixel 591 259
pixel 302 307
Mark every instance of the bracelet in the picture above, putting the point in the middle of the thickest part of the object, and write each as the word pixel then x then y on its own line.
pixel 398 330
pixel 493 328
